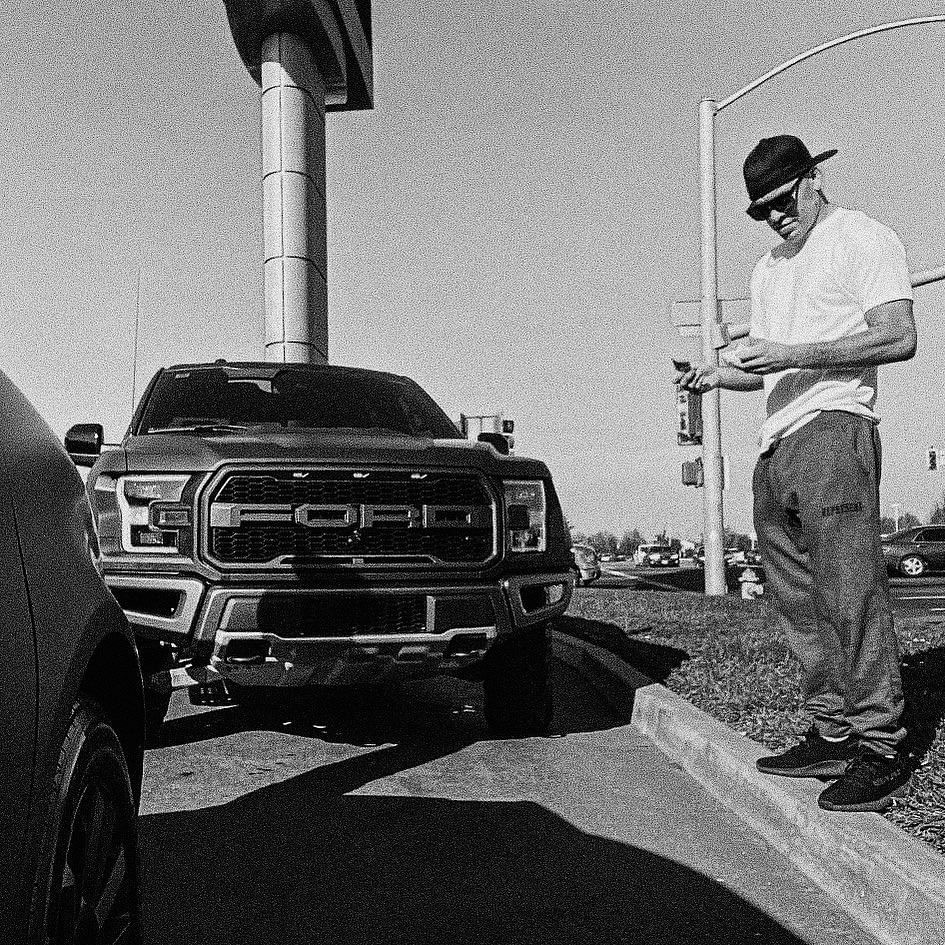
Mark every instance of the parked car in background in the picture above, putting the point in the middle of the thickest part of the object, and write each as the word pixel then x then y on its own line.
pixel 639 556
pixel 915 551
pixel 587 564
pixel 71 705
pixel 661 556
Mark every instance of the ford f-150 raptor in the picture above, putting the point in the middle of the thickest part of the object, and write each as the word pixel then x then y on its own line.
pixel 291 525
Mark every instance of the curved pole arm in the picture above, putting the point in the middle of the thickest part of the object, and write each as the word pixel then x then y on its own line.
pixel 777 70
pixel 929 275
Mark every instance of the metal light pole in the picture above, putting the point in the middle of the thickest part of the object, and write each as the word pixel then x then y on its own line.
pixel 711 436
pixel 895 506
pixel 713 540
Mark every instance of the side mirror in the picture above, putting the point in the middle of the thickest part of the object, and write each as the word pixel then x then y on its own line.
pixel 497 441
pixel 84 443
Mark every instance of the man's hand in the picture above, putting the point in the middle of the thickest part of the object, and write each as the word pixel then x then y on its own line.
pixel 699 378
pixel 761 357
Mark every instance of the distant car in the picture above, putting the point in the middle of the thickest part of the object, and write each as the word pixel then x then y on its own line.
pixel 585 560
pixel 639 556
pixel 915 551
pixel 661 556
pixel 71 704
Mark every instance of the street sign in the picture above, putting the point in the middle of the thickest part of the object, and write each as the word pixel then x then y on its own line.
pixel 693 473
pixel 733 316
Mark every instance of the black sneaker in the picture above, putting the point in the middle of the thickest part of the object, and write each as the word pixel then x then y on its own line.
pixel 814 757
pixel 869 784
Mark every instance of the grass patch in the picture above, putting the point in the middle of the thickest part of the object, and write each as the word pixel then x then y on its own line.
pixel 728 657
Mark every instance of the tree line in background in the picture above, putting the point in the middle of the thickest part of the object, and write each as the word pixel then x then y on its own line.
pixel 607 543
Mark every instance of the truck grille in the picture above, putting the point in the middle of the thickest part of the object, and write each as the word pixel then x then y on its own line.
pixel 290 616
pixel 296 517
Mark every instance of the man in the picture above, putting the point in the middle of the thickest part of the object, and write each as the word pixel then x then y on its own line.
pixel 828 304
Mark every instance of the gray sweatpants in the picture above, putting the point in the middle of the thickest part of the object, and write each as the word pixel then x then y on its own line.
pixel 817 519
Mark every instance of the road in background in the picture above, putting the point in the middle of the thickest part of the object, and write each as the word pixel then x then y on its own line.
pixel 393 817
pixel 924 595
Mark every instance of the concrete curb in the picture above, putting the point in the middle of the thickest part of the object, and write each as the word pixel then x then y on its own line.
pixel 891 884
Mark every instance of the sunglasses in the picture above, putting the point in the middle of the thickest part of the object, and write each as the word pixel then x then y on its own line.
pixel 783 203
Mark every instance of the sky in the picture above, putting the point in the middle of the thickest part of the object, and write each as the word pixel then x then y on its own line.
pixel 509 225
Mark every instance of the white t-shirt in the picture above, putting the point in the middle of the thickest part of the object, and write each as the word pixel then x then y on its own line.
pixel 849 264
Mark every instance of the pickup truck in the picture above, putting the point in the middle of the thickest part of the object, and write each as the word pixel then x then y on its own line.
pixel 271 526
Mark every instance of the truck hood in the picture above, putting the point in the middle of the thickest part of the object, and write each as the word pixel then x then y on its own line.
pixel 182 453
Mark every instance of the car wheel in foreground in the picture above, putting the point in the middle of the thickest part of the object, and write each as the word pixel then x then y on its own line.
pixel 913 566
pixel 517 683
pixel 86 888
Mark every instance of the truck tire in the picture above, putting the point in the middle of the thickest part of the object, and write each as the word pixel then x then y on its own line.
pixel 155 710
pixel 155 658
pixel 517 683
pixel 271 700
pixel 86 883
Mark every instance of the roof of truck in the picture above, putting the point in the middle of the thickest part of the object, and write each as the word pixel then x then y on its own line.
pixel 278 366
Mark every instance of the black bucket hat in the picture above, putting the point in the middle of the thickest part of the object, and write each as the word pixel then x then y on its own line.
pixel 774 162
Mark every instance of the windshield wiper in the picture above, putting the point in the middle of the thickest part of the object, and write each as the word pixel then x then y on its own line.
pixel 202 429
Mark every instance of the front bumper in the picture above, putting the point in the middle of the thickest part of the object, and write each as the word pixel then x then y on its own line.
pixel 298 636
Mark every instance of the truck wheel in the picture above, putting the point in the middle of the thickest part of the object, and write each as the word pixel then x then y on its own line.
pixel 155 658
pixel 269 700
pixel 155 709
pixel 517 684
pixel 86 885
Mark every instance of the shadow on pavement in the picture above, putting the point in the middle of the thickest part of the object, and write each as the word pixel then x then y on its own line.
pixel 652 659
pixel 378 715
pixel 923 683
pixel 301 862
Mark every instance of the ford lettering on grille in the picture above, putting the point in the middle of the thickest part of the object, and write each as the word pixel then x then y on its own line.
pixel 267 518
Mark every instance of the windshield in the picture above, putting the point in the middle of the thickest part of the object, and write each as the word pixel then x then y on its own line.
pixel 228 400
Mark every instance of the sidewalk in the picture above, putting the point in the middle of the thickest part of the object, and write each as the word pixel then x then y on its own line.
pixel 891 884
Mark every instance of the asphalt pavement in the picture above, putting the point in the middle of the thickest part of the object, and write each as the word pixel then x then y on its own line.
pixel 391 816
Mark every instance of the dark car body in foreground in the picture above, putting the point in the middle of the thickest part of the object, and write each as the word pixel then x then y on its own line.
pixel 71 704
pixel 915 551
pixel 277 526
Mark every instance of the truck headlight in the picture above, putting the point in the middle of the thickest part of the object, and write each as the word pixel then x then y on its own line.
pixel 525 515
pixel 151 512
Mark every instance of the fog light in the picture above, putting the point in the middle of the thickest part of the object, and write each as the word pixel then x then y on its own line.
pixel 170 516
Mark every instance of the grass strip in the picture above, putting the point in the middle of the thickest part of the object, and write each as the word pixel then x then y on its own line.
pixel 728 657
